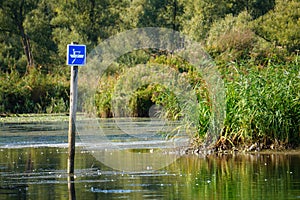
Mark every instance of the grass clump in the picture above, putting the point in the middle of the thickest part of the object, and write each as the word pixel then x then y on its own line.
pixel 263 106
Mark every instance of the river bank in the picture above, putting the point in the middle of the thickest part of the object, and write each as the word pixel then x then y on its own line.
pixel 220 147
pixel 255 148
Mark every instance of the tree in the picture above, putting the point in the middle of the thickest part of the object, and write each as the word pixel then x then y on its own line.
pixel 85 21
pixel 38 28
pixel 281 25
pixel 14 13
pixel 255 8
pixel 11 51
pixel 199 16
pixel 153 13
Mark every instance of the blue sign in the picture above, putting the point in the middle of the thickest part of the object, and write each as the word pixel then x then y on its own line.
pixel 76 55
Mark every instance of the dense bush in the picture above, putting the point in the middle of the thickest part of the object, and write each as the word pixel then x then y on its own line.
pixel 33 93
pixel 103 96
pixel 231 39
pixel 281 26
pixel 146 95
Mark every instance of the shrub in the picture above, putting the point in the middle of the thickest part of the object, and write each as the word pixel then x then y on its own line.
pixel 103 97
pixel 281 25
pixel 34 92
pixel 231 39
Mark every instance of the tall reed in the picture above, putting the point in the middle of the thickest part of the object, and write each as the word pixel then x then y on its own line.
pixel 263 104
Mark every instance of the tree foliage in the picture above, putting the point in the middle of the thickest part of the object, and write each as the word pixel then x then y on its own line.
pixel 36 25
pixel 281 25
pixel 252 41
pixel 13 14
pixel 231 39
pixel 36 32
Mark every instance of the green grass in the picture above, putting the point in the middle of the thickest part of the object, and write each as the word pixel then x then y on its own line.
pixel 263 105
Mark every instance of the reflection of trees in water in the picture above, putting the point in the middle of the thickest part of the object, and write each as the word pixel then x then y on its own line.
pixel 26 173
pixel 241 176
pixel 29 164
pixel 18 191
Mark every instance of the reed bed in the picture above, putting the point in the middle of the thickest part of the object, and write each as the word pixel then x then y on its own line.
pixel 262 106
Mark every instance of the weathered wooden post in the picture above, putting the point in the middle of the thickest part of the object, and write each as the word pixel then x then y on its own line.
pixel 72 118
pixel 76 56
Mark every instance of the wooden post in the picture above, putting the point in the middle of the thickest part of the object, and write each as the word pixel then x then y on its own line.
pixel 72 118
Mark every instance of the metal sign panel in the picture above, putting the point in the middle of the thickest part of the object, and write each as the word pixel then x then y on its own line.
pixel 76 55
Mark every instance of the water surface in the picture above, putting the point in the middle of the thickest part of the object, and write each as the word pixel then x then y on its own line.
pixel 33 162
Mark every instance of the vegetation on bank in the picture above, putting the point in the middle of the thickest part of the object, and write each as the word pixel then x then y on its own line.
pixel 33 93
pixel 262 103
pixel 262 106
pixel 255 45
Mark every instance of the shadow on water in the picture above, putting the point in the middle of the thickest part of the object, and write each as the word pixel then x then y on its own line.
pixel 39 172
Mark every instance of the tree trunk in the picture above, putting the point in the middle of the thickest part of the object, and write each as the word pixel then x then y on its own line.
pixel 19 18
pixel 174 25
pixel 27 49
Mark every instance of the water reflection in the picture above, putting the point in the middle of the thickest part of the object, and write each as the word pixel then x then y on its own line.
pixel 71 187
pixel 40 173
pixel 33 166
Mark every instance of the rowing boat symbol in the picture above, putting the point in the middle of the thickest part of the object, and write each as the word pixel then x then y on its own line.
pixel 76 54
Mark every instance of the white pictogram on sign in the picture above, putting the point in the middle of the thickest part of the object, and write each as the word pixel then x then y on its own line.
pixel 76 55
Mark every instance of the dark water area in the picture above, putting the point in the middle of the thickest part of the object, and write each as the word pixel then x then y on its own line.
pixel 33 163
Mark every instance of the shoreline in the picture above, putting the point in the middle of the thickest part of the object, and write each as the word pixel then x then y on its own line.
pixel 234 151
pixel 220 147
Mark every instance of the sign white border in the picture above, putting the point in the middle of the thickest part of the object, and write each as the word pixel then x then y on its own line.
pixel 68 54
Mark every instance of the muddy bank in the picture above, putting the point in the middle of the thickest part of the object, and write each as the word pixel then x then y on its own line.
pixel 220 148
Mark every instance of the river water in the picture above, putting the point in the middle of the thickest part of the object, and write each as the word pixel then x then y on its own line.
pixel 33 163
